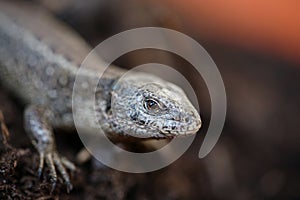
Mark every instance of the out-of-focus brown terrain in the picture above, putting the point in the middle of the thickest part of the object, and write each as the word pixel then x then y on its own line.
pixel 256 157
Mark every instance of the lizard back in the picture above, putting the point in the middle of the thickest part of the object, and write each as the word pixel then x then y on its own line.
pixel 39 58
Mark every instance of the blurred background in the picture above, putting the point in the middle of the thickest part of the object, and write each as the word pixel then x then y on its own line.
pixel 256 46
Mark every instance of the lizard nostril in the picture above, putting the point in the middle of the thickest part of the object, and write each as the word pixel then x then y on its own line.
pixel 187 119
pixel 176 118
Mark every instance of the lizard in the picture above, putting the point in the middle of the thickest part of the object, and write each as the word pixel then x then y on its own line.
pixel 39 60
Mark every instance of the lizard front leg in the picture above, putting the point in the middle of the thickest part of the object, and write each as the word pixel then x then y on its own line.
pixel 40 132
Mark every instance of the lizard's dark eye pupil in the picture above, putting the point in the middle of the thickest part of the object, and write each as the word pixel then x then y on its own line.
pixel 151 105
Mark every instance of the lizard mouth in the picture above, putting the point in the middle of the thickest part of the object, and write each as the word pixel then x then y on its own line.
pixel 187 129
pixel 173 134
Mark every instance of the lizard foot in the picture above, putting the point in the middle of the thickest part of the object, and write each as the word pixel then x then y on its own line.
pixel 55 162
pixel 40 131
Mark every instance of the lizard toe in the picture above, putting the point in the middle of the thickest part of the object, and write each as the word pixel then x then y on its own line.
pixel 52 173
pixel 59 162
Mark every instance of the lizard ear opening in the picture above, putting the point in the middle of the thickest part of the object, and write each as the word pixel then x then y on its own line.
pixel 108 104
pixel 106 85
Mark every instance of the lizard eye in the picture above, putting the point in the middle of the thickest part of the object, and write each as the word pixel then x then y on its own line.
pixel 151 105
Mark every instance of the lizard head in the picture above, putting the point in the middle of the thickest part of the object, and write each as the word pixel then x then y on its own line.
pixel 146 106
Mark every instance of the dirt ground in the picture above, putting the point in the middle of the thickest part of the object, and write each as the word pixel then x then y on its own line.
pixel 257 156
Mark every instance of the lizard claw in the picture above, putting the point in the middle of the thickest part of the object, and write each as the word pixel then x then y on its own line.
pixel 69 187
pixel 53 185
pixel 41 165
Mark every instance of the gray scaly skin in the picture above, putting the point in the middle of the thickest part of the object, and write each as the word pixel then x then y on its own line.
pixel 39 59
